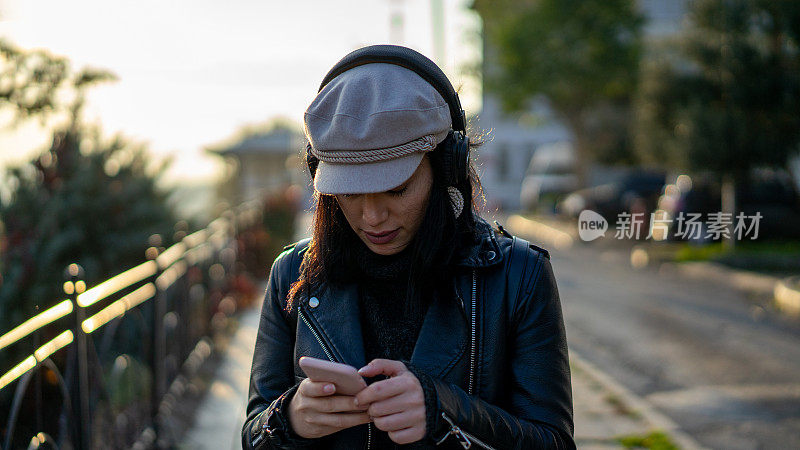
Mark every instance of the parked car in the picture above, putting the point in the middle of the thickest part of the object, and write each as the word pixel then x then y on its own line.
pixel 550 175
pixel 771 193
pixel 636 190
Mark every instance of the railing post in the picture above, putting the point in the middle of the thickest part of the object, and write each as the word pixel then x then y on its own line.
pixel 157 349
pixel 80 401
pixel 181 305
pixel 37 341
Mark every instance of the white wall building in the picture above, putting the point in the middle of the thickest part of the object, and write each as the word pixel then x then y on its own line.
pixel 261 164
pixel 504 158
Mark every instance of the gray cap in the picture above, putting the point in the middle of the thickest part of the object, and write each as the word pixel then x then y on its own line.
pixel 371 126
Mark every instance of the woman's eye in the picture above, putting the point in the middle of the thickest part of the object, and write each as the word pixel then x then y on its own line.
pixel 398 191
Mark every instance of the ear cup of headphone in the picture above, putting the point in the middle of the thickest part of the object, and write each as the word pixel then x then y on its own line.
pixel 460 156
pixel 455 158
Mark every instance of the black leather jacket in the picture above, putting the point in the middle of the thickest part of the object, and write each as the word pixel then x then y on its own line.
pixel 510 390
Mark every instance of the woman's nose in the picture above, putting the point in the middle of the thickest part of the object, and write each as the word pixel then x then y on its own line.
pixel 374 211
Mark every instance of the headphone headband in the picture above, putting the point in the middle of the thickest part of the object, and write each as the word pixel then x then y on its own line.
pixel 411 60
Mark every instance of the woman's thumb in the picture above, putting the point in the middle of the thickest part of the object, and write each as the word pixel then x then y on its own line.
pixel 381 367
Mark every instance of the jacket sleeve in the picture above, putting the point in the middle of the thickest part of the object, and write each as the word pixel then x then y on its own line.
pixel 272 381
pixel 539 411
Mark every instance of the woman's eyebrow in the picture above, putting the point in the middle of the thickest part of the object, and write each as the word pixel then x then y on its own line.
pixel 403 185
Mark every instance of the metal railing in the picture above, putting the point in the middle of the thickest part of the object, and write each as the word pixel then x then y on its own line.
pixel 107 363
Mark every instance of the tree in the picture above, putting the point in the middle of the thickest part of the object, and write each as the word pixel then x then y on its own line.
pixel 731 100
pixel 582 55
pixel 85 199
pixel 34 83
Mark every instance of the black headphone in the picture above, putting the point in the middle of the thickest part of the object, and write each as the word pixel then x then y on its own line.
pixel 455 147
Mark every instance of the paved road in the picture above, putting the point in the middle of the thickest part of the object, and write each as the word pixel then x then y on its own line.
pixel 723 365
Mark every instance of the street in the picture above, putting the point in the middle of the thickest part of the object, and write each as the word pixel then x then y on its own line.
pixel 721 364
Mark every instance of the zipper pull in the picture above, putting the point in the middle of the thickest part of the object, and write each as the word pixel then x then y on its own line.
pixel 502 230
pixel 456 431
pixel 461 438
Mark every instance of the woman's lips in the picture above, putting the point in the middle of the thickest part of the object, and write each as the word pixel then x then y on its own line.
pixel 382 238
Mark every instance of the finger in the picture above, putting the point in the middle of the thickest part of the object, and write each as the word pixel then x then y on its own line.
pixel 387 367
pixel 340 420
pixel 396 404
pixel 310 388
pixel 381 390
pixel 395 422
pixel 407 435
pixel 335 404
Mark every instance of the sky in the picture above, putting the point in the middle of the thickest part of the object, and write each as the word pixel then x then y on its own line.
pixel 191 72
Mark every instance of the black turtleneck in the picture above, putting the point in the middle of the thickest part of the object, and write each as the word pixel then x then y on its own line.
pixel 390 325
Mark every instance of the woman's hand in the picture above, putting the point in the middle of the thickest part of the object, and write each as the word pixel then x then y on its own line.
pixel 396 405
pixel 316 411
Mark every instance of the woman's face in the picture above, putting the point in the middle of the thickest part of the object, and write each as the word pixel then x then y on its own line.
pixel 387 221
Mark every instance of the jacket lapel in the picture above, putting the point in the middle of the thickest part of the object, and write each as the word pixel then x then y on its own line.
pixel 336 318
pixel 443 338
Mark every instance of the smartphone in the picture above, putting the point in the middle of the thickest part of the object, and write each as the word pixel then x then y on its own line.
pixel 344 377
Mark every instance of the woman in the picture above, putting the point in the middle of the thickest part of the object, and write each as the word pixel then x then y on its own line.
pixel 456 328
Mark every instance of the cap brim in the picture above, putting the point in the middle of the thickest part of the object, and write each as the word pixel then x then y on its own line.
pixel 331 178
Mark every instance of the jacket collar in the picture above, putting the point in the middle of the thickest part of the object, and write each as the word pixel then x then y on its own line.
pixel 485 252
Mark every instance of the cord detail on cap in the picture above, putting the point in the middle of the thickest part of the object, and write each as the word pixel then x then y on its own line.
pixel 423 144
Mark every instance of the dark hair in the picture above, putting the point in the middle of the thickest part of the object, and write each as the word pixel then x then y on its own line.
pixel 330 257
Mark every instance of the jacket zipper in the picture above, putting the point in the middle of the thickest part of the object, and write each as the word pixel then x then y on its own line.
pixel 473 342
pixel 332 359
pixel 465 439
pixel 316 335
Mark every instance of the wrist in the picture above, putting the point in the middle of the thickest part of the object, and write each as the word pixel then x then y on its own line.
pixel 431 400
pixel 273 425
pixel 290 416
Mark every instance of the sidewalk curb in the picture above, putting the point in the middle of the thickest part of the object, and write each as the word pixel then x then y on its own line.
pixel 787 295
pixel 785 292
pixel 636 403
pixel 740 279
pixel 541 232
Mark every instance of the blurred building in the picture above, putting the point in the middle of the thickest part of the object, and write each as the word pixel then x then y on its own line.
pixel 260 163
pixel 664 17
pixel 504 159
